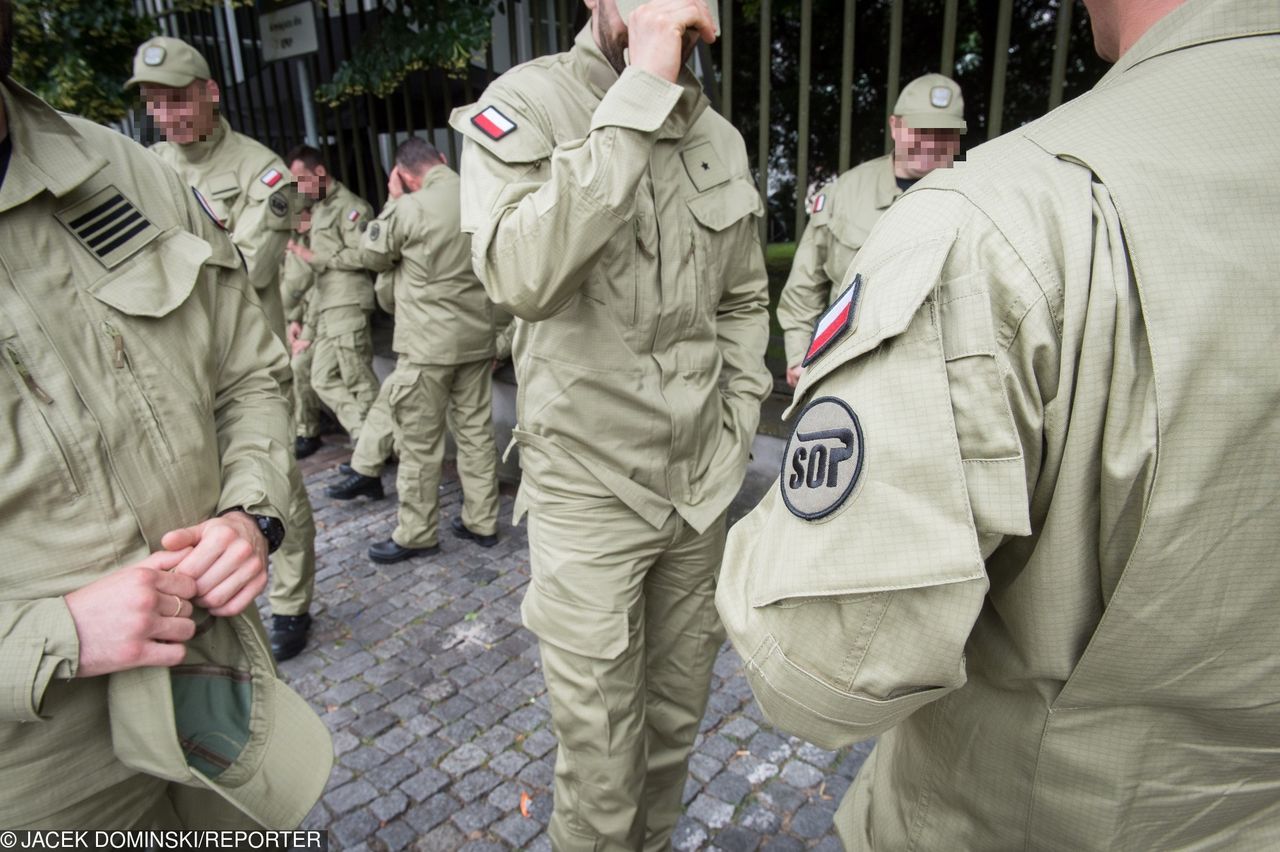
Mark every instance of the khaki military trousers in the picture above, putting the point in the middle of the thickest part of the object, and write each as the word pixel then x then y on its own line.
pixel 628 632
pixel 342 369
pixel 377 436
pixel 293 565
pixel 421 397
pixel 306 405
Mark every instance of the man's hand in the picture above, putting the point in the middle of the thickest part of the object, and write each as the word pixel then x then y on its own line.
pixel 292 332
pixel 660 32
pixel 794 374
pixel 137 616
pixel 227 558
pixel 299 346
pixel 304 221
pixel 395 184
pixel 306 254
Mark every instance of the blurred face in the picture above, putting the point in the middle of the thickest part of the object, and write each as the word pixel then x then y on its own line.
pixel 184 115
pixel 311 182
pixel 916 152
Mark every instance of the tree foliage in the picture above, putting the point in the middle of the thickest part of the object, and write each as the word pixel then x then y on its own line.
pixel 410 36
pixel 76 54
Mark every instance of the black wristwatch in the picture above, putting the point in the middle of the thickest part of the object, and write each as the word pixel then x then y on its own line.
pixel 272 529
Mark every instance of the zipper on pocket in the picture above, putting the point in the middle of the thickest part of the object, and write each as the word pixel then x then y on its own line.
pixel 39 393
pixel 27 378
pixel 121 360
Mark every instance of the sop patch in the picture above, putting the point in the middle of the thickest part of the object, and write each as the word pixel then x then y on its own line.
pixel 493 123
pixel 108 225
pixel 837 319
pixel 823 459
pixel 278 204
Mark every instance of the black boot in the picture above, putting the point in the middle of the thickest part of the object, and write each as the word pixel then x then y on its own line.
pixel 289 635
pixel 461 531
pixel 304 446
pixel 355 485
pixel 388 552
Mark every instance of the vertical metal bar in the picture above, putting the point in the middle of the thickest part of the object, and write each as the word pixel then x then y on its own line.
pixel 357 134
pixel 762 137
pixel 535 27
pixel 947 64
pixel 802 131
pixel 846 84
pixel 448 109
pixel 999 69
pixel 513 33
pixel 334 112
pixel 562 20
pixel 1061 44
pixel 891 83
pixel 726 61
pixel 426 102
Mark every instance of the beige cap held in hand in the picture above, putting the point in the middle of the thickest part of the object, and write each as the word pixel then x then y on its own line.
pixel 625 8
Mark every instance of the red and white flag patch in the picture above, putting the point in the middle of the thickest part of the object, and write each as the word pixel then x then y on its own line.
pixel 353 216
pixel 272 177
pixel 819 204
pixel 493 123
pixel 838 319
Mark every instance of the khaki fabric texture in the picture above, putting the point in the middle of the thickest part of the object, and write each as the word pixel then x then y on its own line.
pixel 618 223
pixel 342 374
pixel 425 277
pixel 238 177
pixel 142 394
pixel 420 397
pixel 377 436
pixel 852 205
pixel 1054 586
pixel 337 222
pixel 635 607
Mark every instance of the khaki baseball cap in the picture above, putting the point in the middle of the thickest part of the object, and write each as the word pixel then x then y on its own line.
pixel 167 62
pixel 931 102
pixel 625 7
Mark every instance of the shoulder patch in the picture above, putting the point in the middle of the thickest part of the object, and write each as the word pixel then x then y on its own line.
pixel 818 204
pixel 271 177
pixel 822 463
pixel 353 216
pixel 205 206
pixel 493 123
pixel 108 225
pixel 838 319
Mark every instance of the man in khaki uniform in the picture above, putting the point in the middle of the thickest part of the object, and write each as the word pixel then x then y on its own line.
pixel 296 281
pixel 926 124
pixel 341 295
pixel 444 338
pixel 614 214
pixel 1026 521
pixel 144 458
pixel 247 187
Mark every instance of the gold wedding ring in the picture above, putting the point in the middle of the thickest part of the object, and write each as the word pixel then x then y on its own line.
pixel 177 606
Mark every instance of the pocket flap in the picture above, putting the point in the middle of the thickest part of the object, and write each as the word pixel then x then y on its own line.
pixel 158 279
pixel 720 207
pixel 224 186
pixel 598 634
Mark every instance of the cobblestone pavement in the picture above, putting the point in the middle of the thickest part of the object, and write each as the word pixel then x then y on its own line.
pixel 434 695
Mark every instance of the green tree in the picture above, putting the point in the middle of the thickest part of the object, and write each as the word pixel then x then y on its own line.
pixel 411 35
pixel 76 54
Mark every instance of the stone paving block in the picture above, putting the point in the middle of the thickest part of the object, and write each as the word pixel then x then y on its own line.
pixel 363 758
pixel 461 731
pixel 445 838
pixel 755 770
pixel 819 757
pixel 475 816
pixel 739 729
pixel 539 773
pixel 799 774
pixel 453 709
pixel 508 763
pixel 506 796
pixel 482 846
pixel 395 740
pixel 354 829
pixel 367 702
pixel 759 819
pixel 718 747
pixel 710 811
pixel 782 843
pixel 811 821
pixel 423 725
pixel 372 724
pixel 425 816
pixel 527 718
pixel 388 806
pixel 539 742
pixel 475 785
pixel 463 759
pixel 351 796
pixel 425 783
pixel 830 843
pixel 769 746
pixel 339 776
pixel 517 830
pixel 541 843
pixel 343 742
pixel 391 773
pixel 704 767
pixel 737 839
pixel 691 789
pixel 836 786
pixel 396 835
pixel 689 835
pixel 729 787
pixel 784 797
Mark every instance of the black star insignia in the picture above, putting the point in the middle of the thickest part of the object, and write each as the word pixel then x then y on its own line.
pixel 706 167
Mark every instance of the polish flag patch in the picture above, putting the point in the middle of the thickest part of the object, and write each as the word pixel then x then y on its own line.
pixel 493 123
pixel 353 216
pixel 835 322
pixel 272 177
pixel 819 204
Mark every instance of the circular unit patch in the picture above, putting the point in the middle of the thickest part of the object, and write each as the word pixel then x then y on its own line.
pixel 374 231
pixel 278 204
pixel 823 459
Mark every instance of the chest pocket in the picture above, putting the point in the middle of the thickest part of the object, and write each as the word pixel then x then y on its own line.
pixel 222 195
pixel 713 213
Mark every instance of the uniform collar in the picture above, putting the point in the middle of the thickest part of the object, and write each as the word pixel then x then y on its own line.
pixel 198 152
pixel 887 189
pixel 592 68
pixel 48 153
pixel 334 196
pixel 1198 22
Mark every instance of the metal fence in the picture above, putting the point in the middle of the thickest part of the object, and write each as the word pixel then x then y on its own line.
pixel 761 42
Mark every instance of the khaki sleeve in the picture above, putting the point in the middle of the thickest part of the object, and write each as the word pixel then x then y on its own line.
pixel 807 291
pixel 851 590
pixel 380 242
pixel 539 227
pixel 296 281
pixel 39 644
pixel 258 234
pixel 503 339
pixel 342 246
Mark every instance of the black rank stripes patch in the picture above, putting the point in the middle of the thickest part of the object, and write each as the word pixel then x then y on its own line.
pixel 823 460
pixel 108 225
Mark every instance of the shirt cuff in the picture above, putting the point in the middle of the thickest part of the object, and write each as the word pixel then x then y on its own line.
pixel 638 101
pixel 46 646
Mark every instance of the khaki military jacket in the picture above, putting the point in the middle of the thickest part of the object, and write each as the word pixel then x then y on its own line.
pixel 337 221
pixel 244 183
pixel 617 220
pixel 425 277
pixel 1046 560
pixel 139 395
pixel 844 212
